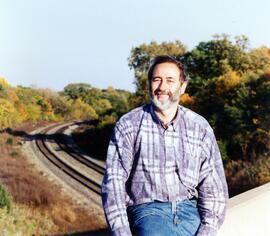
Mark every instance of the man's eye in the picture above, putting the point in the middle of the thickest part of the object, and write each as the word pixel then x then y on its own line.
pixel 170 81
pixel 156 80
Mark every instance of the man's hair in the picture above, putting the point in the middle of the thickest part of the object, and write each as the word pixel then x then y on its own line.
pixel 167 59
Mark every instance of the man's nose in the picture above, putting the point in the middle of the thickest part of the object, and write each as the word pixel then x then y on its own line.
pixel 163 85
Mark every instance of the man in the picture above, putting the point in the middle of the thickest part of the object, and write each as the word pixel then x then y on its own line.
pixel 164 173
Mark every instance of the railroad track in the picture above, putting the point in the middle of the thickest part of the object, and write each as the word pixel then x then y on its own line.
pixel 84 182
pixel 61 142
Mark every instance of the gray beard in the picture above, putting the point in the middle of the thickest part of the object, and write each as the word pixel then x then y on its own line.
pixel 165 105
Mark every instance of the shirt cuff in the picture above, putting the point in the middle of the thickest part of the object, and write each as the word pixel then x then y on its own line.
pixel 123 231
pixel 205 230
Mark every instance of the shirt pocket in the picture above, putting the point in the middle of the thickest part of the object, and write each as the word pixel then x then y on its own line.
pixel 188 165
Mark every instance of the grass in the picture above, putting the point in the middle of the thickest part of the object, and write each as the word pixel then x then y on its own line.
pixel 22 220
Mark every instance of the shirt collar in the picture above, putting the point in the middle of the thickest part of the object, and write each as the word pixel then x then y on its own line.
pixel 175 122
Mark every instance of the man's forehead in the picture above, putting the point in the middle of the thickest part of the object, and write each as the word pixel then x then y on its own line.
pixel 167 67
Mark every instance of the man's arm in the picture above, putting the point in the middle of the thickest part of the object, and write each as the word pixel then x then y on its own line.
pixel 119 162
pixel 212 188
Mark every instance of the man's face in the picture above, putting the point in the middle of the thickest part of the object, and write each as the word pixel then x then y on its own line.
pixel 166 86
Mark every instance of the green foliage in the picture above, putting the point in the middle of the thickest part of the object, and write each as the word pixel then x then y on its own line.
pixel 5 199
pixel 215 58
pixel 221 55
pixel 9 141
pixel 75 91
pixel 61 106
pixel 238 109
pixel 104 102
pixel 13 154
pixel 223 151
pixel 35 104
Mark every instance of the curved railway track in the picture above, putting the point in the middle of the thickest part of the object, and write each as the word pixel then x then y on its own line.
pixel 61 142
pixel 83 181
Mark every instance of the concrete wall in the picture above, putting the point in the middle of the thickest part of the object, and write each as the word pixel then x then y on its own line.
pixel 248 214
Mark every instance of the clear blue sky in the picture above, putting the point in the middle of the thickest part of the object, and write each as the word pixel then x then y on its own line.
pixel 51 43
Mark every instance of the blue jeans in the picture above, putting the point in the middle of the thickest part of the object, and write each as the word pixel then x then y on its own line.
pixel 164 218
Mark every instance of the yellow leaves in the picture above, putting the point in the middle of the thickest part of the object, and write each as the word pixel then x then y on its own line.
pixel 33 112
pixel 186 100
pixel 81 110
pixel 255 121
pixel 8 114
pixel 107 120
pixel 13 96
pixel 48 110
pixel 3 83
pixel 227 82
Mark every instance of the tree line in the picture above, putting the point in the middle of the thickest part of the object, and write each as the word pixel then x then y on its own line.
pixel 77 101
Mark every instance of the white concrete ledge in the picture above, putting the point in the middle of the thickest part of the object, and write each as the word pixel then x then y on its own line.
pixel 248 214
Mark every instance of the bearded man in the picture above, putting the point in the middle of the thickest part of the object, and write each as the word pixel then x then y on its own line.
pixel 164 173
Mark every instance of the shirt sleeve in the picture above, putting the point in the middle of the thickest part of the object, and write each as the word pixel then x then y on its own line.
pixel 118 166
pixel 212 188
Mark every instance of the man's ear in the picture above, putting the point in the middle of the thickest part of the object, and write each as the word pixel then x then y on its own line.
pixel 183 87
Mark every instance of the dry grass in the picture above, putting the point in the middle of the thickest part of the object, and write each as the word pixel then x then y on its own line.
pixel 23 221
pixel 30 188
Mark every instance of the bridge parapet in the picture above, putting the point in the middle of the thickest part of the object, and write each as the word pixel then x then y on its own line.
pixel 248 214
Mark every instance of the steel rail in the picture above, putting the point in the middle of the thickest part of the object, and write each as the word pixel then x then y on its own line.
pixel 67 169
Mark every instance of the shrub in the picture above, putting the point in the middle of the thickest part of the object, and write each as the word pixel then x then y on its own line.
pixel 5 200
pixel 13 154
pixel 9 141
pixel 243 175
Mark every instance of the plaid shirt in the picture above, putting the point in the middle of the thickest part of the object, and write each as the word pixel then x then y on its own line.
pixel 147 162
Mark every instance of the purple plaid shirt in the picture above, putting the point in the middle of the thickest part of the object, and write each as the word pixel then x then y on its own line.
pixel 147 162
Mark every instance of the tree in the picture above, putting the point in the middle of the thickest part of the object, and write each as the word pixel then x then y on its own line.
pixel 75 91
pixel 8 114
pixel 237 107
pixel 61 106
pixel 259 60
pixel 215 58
pixel 81 110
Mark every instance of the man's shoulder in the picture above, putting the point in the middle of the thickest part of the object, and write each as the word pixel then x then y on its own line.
pixel 194 118
pixel 134 116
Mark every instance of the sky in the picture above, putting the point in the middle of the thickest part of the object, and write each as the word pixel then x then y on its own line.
pixel 51 43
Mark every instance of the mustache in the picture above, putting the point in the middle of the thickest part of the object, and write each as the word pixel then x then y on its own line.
pixel 161 92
